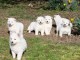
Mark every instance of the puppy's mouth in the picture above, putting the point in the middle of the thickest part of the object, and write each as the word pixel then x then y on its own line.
pixel 47 22
pixel 40 23
pixel 10 25
pixel 12 44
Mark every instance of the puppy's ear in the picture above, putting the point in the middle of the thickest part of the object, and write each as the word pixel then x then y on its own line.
pixel 14 19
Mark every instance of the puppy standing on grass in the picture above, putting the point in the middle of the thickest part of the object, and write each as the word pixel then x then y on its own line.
pixel 48 24
pixel 17 45
pixel 15 27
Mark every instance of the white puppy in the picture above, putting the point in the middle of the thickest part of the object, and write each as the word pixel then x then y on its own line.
pixel 15 27
pixel 48 24
pixel 65 29
pixel 17 45
pixel 58 21
pixel 40 25
pixel 31 27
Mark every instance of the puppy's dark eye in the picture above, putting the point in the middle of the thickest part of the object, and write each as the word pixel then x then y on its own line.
pixel 14 39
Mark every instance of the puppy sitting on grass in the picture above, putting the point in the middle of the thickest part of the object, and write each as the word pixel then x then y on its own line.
pixel 17 45
pixel 15 27
pixel 40 25
pixel 65 28
pixel 48 24
pixel 62 24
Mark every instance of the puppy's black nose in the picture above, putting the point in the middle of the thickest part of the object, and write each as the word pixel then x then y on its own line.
pixel 12 42
pixel 40 22
pixel 10 25
pixel 47 21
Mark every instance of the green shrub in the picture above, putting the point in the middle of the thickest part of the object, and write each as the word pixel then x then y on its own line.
pixel 74 5
pixel 63 5
pixel 76 25
pixel 56 4
pixel 7 1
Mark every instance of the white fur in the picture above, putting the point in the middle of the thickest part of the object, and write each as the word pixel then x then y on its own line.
pixel 15 27
pixel 31 27
pixel 65 29
pixel 40 25
pixel 66 22
pixel 63 25
pixel 58 21
pixel 48 24
pixel 17 46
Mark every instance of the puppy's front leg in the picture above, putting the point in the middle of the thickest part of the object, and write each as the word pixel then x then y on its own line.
pixel 42 32
pixel 69 34
pixel 36 32
pixel 13 54
pixel 47 31
pixel 60 34
pixel 19 55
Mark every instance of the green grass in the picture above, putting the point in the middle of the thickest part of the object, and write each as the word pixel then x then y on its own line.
pixel 39 49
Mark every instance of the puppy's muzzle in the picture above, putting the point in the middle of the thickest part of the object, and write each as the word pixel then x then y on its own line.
pixel 47 22
pixel 64 25
pixel 12 42
pixel 10 25
pixel 40 23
